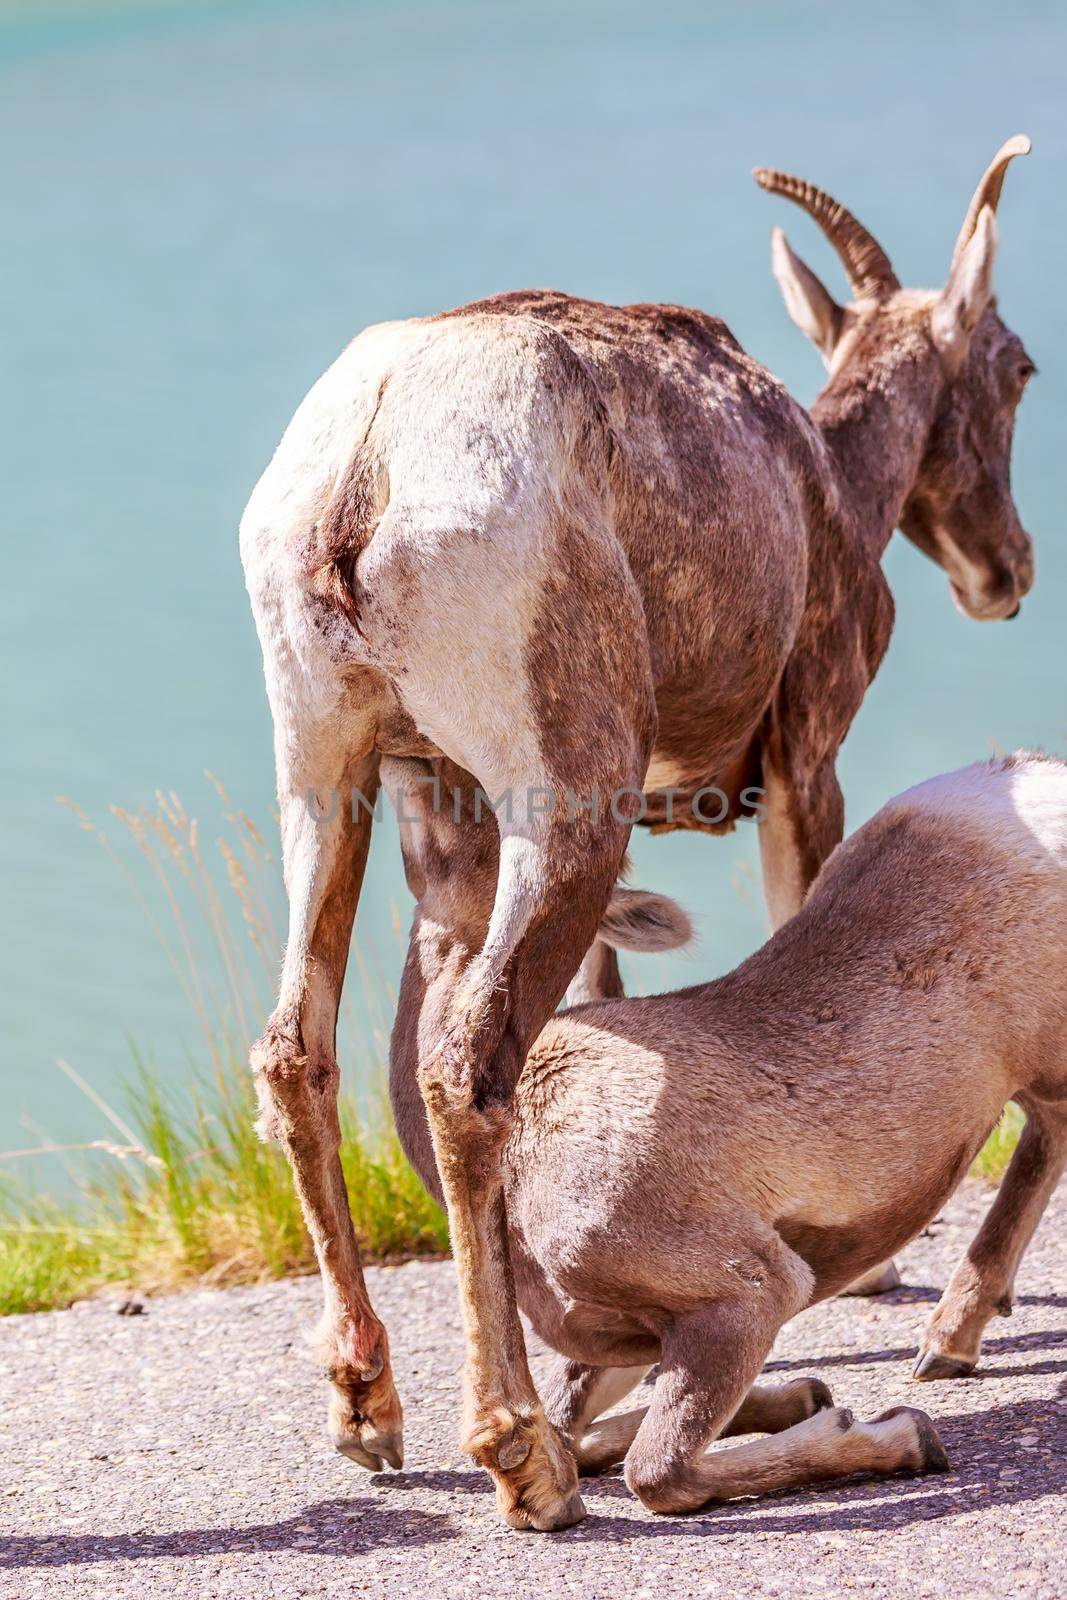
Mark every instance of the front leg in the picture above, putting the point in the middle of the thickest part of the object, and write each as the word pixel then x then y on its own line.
pixel 804 820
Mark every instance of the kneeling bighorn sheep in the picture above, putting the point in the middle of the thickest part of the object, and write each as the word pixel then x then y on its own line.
pixel 686 1172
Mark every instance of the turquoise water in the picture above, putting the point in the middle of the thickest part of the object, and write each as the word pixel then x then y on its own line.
pixel 204 202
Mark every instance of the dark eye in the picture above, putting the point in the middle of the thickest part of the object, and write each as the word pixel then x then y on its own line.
pixel 1025 371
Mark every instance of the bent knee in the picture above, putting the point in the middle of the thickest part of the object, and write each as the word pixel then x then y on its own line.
pixel 279 1051
pixel 464 1132
pixel 659 1486
pixel 285 1074
pixel 476 1061
pixel 446 1076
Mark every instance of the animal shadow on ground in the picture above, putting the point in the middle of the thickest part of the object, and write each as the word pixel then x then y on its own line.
pixel 909 1293
pixel 1045 1339
pixel 367 1525
pixel 857 1504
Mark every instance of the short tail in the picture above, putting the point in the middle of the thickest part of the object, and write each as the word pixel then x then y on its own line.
pixel 345 529
pixel 638 920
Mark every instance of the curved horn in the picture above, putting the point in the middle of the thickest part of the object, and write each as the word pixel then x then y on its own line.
pixel 988 191
pixel 868 266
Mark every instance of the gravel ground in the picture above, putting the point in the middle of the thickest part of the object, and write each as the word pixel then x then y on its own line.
pixel 182 1452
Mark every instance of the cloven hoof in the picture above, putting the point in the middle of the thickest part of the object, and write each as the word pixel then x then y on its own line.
pixel 544 1521
pixel 366 1425
pixel 821 1398
pixel 881 1280
pixel 372 1450
pixel 934 1365
pixel 933 1457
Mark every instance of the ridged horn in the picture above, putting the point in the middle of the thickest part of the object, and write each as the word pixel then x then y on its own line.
pixel 869 270
pixel 988 191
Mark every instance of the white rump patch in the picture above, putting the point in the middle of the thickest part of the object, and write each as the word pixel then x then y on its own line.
pixel 1019 805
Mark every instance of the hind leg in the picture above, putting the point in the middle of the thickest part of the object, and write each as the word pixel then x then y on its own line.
pixel 480 1012
pixel 576 1394
pixel 552 712
pixel 767 1408
pixel 981 1287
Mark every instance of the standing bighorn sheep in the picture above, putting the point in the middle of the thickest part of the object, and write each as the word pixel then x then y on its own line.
pixel 580 553
pixel 684 1173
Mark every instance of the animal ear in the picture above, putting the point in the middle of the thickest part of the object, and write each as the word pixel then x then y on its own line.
pixel 811 306
pixel 960 304
pixel 637 920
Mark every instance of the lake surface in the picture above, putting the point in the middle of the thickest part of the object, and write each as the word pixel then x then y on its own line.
pixel 205 202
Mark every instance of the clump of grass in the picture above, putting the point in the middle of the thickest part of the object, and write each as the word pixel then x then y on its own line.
pixel 199 1199
pixel 188 1193
pixel 993 1158
pixel 47 1257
